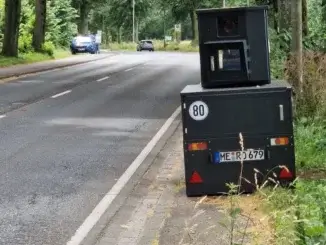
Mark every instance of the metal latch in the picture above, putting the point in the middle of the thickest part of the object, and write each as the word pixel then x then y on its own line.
pixel 281 113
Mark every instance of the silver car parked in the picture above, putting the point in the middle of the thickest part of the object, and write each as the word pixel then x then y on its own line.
pixel 145 45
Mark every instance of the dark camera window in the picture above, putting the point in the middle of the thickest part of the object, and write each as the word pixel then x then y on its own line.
pixel 229 60
pixel 227 26
pixel 226 60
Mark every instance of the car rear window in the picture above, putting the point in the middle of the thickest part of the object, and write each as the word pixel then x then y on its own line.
pixel 84 39
pixel 145 41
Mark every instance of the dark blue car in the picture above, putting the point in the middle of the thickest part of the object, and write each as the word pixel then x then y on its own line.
pixel 83 44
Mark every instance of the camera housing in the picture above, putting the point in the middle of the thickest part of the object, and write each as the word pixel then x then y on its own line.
pixel 233 46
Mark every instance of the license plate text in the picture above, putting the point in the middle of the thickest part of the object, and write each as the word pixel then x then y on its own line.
pixel 238 156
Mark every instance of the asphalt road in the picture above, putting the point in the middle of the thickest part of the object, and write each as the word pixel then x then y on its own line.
pixel 66 136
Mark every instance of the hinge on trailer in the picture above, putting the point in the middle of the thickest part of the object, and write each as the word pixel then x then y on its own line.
pixel 184 105
pixel 186 130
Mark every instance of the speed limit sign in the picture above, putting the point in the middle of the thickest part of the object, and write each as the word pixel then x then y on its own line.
pixel 198 110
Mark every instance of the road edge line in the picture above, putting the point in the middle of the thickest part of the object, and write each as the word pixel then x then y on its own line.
pixel 83 230
pixel 26 74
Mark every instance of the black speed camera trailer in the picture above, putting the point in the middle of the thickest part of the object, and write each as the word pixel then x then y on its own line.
pixel 233 46
pixel 212 121
pixel 236 95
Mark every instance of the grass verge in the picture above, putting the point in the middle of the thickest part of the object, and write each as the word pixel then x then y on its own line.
pixel 28 58
pixel 183 46
pixel 293 216
pixel 299 215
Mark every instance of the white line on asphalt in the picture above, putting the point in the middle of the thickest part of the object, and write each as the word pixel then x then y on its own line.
pixel 60 94
pixel 102 79
pixel 2 116
pixel 129 69
pixel 104 204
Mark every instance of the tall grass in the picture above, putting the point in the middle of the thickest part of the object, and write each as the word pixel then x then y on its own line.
pixel 183 46
pixel 32 57
pixel 311 101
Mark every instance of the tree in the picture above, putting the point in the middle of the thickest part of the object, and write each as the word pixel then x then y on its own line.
pixel 61 22
pixel 284 14
pixel 296 46
pixel 305 29
pixel 182 9
pixel 11 29
pixel 323 5
pixel 84 8
pixel 120 12
pixel 39 25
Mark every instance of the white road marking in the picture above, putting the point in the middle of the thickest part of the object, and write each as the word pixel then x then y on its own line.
pixel 2 116
pixel 129 69
pixel 31 81
pixel 102 79
pixel 60 94
pixel 104 204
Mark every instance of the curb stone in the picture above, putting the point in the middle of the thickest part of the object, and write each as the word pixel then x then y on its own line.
pixel 37 67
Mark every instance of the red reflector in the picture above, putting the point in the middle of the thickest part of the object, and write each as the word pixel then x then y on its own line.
pixel 195 178
pixel 199 146
pixel 285 174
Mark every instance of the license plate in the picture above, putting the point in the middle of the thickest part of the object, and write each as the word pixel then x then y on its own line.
pixel 238 156
pixel 81 49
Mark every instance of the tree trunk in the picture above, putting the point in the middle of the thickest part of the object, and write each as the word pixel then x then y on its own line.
pixel 120 35
pixel 305 29
pixel 323 5
pixel 284 14
pixel 137 30
pixel 83 17
pixel 194 27
pixel 164 27
pixel 276 4
pixel 296 46
pixel 39 25
pixel 11 29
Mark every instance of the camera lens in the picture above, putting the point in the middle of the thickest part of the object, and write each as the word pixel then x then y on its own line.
pixel 228 26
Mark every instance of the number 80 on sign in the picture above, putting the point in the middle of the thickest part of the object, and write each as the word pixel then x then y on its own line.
pixel 198 110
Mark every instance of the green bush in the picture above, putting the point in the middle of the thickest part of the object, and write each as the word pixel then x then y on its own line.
pixel 299 217
pixel 278 46
pixel 48 48
pixel 25 43
pixel 310 144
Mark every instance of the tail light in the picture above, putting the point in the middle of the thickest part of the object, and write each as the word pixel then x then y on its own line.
pixel 197 146
pixel 279 141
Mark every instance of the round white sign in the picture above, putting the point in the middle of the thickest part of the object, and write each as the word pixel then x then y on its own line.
pixel 198 110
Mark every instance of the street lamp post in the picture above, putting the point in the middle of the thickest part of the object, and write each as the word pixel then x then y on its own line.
pixel 133 21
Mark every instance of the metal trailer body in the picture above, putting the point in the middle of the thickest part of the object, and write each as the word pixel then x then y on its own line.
pixel 233 46
pixel 212 122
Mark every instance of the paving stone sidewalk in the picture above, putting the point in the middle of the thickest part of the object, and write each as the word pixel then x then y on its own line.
pixel 23 69
pixel 158 212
